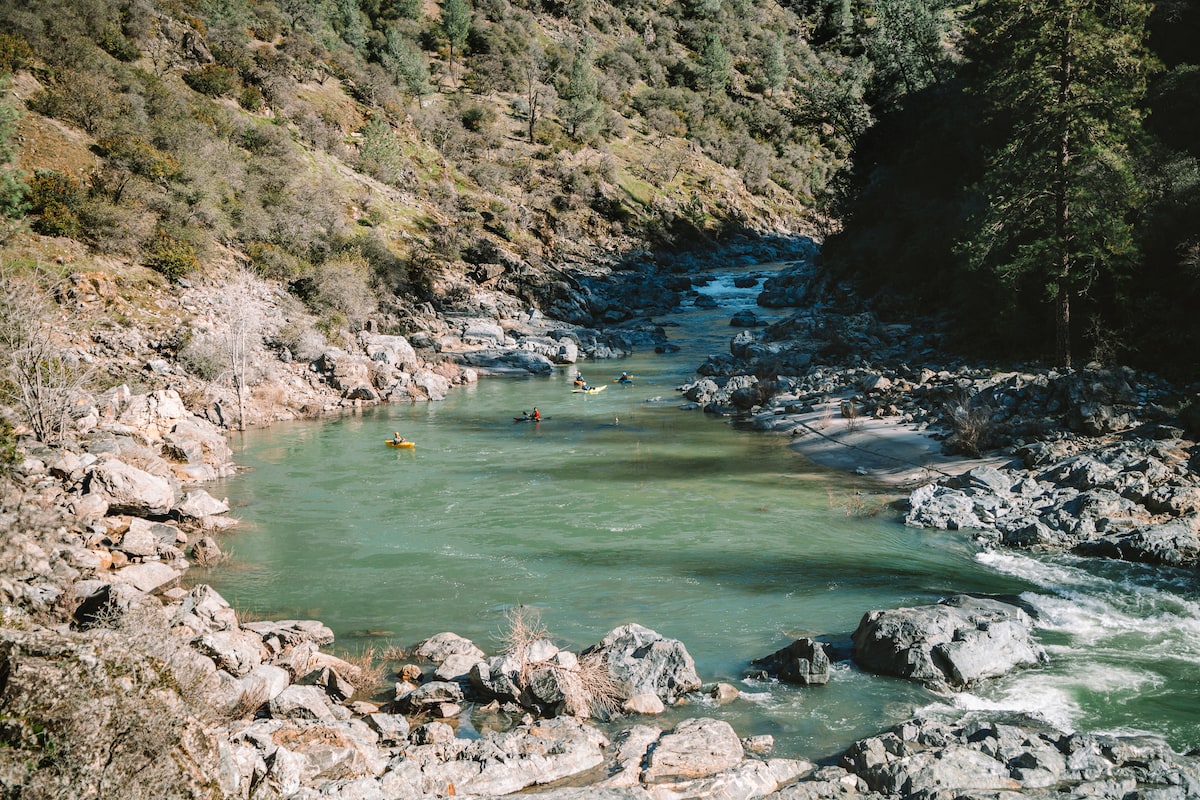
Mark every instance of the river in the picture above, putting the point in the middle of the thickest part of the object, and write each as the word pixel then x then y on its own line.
pixel 619 507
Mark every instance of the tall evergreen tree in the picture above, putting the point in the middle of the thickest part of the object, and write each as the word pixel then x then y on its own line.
pixel 1063 80
pixel 579 102
pixel 456 24
pixel 714 66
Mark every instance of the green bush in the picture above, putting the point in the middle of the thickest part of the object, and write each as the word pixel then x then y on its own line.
pixel 113 42
pixel 139 157
pixel 250 98
pixel 15 53
pixel 213 80
pixel 54 200
pixel 476 117
pixel 171 255
pixel 10 457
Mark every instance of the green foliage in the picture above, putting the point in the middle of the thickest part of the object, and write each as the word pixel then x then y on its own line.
pixel 213 80
pixel 10 456
pixel 55 199
pixel 714 65
pixel 139 157
pixel 13 190
pixel 171 255
pixel 579 103
pixel 15 53
pixel 379 154
pixel 907 45
pixel 455 25
pixel 477 117
pixel 406 64
pixel 114 42
pixel 1062 81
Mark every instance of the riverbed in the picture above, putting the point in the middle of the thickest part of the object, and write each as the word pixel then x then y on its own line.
pixel 619 507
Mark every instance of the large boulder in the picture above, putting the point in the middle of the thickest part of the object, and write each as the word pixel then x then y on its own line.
pixel 153 415
pixel 515 361
pixel 393 351
pixel 498 763
pixel 695 748
pixel 642 661
pixel 951 644
pixel 439 647
pixel 129 490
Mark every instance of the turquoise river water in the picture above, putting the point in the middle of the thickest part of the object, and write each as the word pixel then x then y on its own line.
pixel 619 507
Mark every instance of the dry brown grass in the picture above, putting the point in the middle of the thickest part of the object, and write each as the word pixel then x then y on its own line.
pixel 369 670
pixel 588 688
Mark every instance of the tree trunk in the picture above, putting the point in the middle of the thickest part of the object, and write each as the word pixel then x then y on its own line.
pixel 1062 208
pixel 1062 328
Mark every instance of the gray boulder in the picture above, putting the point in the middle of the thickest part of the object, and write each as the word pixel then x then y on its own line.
pixel 803 661
pixel 393 351
pixel 439 647
pixel 952 644
pixel 129 490
pixel 1019 758
pixel 642 661
pixel 695 748
pixel 1173 543
pixel 302 702
pixel 498 763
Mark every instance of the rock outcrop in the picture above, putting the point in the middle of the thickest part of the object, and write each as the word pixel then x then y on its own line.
pixel 952 644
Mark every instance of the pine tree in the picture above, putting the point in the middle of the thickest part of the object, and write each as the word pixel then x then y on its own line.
pixel 580 104
pixel 714 66
pixel 1062 79
pixel 456 24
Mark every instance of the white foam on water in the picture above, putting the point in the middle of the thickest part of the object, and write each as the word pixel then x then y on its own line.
pixel 758 698
pixel 722 290
pixel 1094 609
pixel 1055 704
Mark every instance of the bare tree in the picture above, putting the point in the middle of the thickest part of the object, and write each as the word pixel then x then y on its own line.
pixel 43 380
pixel 241 335
pixel 537 94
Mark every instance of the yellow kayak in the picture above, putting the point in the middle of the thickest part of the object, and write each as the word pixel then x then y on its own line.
pixel 592 390
pixel 390 443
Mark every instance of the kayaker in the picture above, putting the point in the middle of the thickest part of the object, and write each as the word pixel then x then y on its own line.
pixel 537 415
pixel 580 383
pixel 397 438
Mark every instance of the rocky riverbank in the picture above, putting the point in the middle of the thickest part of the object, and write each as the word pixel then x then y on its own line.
pixel 121 680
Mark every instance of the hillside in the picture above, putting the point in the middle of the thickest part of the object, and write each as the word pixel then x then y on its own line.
pixel 297 145
pixel 377 166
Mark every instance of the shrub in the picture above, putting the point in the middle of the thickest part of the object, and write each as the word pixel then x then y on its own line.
pixel 213 80
pixel 476 117
pixel 15 53
pixel 171 255
pixel 971 426
pixel 115 43
pixel 54 199
pixel 250 98
pixel 139 157
pixel 10 457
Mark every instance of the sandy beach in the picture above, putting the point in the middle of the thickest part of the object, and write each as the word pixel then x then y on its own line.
pixel 888 450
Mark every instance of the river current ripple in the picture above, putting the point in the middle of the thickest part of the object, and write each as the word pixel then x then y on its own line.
pixel 620 508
